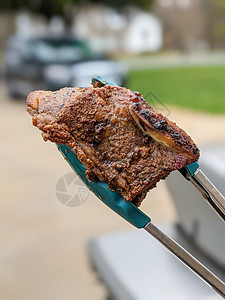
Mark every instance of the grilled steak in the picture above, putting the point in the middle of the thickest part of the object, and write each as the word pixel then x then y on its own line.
pixel 114 132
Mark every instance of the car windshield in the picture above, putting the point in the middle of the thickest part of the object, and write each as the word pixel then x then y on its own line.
pixel 61 51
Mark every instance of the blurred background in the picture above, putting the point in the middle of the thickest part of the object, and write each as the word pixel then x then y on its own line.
pixel 172 52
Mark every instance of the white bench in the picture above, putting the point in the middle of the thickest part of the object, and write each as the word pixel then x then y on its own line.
pixel 133 265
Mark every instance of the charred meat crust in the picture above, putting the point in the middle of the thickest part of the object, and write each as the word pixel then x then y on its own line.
pixel 115 134
pixel 163 130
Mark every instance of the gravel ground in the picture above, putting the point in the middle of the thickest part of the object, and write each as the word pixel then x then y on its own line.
pixel 42 242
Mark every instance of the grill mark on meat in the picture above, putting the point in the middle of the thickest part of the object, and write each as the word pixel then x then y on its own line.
pixel 118 137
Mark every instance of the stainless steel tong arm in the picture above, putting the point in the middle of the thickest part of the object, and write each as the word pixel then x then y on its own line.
pixel 209 192
pixel 214 198
pixel 187 259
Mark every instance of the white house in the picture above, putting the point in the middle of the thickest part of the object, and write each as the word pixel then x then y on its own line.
pixel 143 34
pixel 133 31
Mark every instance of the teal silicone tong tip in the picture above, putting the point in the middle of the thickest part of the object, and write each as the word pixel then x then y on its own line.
pixel 101 81
pixel 126 210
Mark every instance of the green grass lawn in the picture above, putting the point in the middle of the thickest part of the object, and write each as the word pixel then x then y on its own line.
pixel 198 88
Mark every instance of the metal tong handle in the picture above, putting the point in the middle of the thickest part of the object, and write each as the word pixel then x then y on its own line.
pixel 200 181
pixel 187 259
pixel 209 192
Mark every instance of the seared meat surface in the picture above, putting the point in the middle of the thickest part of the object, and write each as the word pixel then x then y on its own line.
pixel 118 137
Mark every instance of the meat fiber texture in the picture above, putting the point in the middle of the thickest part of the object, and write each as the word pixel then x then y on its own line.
pixel 119 138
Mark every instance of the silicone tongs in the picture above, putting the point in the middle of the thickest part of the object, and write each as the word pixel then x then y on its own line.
pixel 136 217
